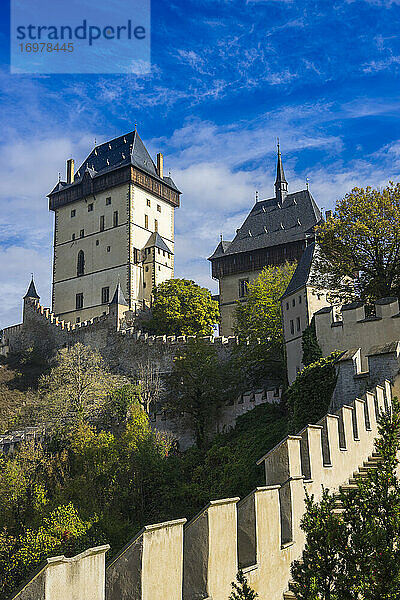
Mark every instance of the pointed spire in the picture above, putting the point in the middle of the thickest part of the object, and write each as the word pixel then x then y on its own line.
pixel 32 293
pixel 281 185
pixel 119 297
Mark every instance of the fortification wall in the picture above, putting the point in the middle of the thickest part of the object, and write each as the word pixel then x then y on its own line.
pixel 122 347
pixel 125 350
pixel 349 328
pixel 179 426
pixel 11 441
pixel 261 532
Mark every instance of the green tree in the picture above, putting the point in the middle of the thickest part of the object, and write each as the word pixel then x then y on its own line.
pixel 78 386
pixel 58 534
pixel 197 386
pixel 309 396
pixel 181 307
pixel 359 247
pixel 260 316
pixel 309 343
pixel 356 555
pixel 241 590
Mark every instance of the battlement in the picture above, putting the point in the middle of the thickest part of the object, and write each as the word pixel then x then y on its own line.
pixel 9 442
pixel 260 533
pixel 59 332
pixel 347 327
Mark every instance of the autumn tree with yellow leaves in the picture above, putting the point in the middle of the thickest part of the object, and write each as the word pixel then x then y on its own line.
pixel 359 246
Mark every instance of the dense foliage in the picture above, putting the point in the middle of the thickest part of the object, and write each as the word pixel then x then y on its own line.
pixel 198 385
pixel 309 396
pixel 260 316
pixel 356 555
pixel 181 307
pixel 78 385
pixel 90 486
pixel 359 247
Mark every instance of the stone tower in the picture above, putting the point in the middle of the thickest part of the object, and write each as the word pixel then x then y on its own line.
pixel 114 222
pixel 276 230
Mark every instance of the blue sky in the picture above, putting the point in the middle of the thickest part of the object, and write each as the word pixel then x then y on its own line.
pixel 227 78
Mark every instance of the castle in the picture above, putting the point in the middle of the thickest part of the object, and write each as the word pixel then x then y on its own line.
pixel 113 223
pixel 276 230
pixel 121 200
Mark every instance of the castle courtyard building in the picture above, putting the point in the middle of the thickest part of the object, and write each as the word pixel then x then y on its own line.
pixel 114 223
pixel 275 231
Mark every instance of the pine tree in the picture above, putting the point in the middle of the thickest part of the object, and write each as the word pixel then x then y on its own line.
pixel 356 555
pixel 241 590
pixel 309 343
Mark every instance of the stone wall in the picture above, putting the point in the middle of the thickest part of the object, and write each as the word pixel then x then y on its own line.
pixel 348 327
pixel 261 533
pixel 382 362
pixel 125 350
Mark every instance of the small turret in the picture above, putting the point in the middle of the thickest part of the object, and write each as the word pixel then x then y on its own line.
pixel 32 293
pixel 118 306
pixel 119 297
pixel 281 185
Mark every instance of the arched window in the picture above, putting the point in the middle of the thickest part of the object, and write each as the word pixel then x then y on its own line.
pixel 80 267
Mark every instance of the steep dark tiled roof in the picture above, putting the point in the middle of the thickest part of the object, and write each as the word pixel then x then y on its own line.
pixel 302 272
pixel 119 297
pixel 220 249
pixel 122 151
pixel 270 223
pixel 32 293
pixel 156 241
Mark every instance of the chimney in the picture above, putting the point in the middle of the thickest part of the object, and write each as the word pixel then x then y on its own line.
pixel 160 165
pixel 328 214
pixel 70 170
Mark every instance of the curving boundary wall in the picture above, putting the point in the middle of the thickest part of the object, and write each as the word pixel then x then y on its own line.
pixel 261 533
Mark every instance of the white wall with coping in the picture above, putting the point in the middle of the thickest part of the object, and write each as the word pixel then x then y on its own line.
pixel 202 557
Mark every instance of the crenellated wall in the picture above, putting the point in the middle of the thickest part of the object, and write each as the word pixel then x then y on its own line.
pixel 348 327
pixel 198 560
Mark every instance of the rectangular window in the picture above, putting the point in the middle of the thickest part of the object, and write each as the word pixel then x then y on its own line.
pixel 102 223
pixel 78 319
pixel 115 218
pixel 108 200
pixel 146 221
pixel 294 302
pixel 105 295
pixel 90 207
pixel 82 233
pixel 287 305
pixel 158 208
pixel 292 327
pixel 73 213
pixel 299 299
pixel 243 287
pixel 147 202
pixel 108 248
pixel 298 323
pixel 79 301
pixel 155 225
pixel 73 236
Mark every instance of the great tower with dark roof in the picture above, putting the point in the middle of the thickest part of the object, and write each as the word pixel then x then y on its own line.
pixel 114 222
pixel 276 230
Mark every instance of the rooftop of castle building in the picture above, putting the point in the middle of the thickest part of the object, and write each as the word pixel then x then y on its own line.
pixel 276 221
pixel 125 150
pixel 156 241
pixel 272 223
pixel 302 273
